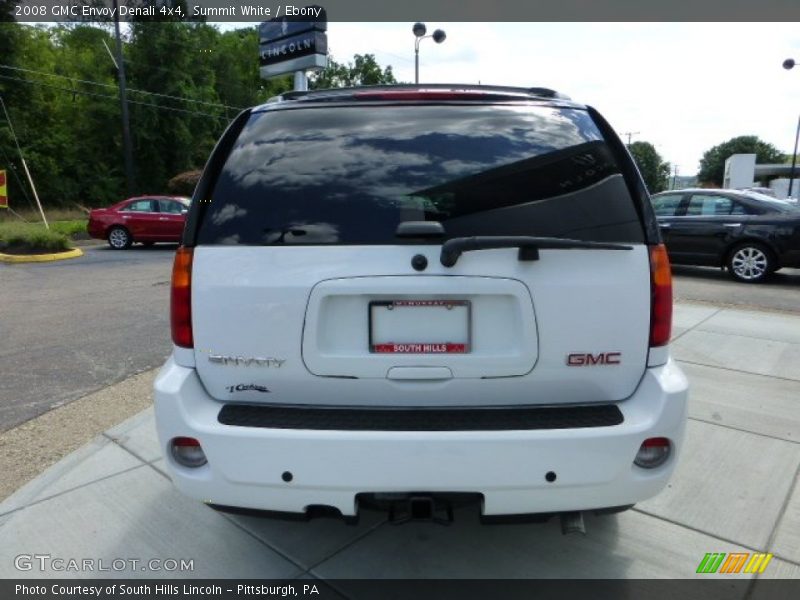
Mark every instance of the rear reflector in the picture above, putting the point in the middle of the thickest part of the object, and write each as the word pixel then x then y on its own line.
pixel 661 292
pixel 187 452
pixel 653 453
pixel 181 299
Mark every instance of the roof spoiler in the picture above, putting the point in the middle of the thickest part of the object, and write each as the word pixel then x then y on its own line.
pixel 336 93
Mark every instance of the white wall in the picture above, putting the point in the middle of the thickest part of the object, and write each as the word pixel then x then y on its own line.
pixel 781 187
pixel 740 171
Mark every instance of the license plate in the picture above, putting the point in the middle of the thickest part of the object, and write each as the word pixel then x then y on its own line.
pixel 420 326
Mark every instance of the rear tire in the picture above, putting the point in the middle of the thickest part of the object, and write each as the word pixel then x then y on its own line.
pixel 751 262
pixel 119 238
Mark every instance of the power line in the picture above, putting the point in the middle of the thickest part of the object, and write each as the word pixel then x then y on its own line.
pixel 96 95
pixel 108 85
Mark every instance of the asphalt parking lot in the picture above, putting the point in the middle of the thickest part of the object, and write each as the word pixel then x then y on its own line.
pixel 74 326
pixel 735 490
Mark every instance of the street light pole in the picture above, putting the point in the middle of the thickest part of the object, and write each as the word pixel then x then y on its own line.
pixel 794 158
pixel 789 64
pixel 416 60
pixel 419 30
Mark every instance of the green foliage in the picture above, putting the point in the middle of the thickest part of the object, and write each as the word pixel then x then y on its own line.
pixel 364 70
pixel 183 184
pixel 654 170
pixel 31 238
pixel 186 81
pixel 75 229
pixel 712 165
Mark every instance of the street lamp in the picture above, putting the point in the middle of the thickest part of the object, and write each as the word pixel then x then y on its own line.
pixel 420 30
pixel 789 64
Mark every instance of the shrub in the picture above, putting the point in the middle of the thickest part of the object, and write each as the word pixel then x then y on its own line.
pixel 183 184
pixel 31 238
pixel 74 229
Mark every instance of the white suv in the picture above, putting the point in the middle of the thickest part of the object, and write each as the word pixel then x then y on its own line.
pixel 415 295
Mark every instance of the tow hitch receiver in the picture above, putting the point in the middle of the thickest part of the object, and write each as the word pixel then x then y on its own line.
pixel 421 508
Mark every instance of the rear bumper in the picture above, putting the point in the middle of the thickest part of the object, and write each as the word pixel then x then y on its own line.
pixel 593 466
pixel 96 229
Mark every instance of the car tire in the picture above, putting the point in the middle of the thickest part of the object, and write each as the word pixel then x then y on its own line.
pixel 750 262
pixel 119 238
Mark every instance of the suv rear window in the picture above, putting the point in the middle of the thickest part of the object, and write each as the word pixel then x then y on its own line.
pixel 349 174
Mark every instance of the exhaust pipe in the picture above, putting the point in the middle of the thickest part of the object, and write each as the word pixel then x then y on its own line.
pixel 572 522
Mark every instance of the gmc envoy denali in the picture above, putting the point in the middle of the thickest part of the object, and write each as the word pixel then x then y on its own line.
pixel 412 297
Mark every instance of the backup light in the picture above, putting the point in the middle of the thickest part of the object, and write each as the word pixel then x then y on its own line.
pixel 187 452
pixel 653 453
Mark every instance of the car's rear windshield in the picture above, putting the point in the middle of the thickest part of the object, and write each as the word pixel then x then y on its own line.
pixel 351 174
pixel 773 204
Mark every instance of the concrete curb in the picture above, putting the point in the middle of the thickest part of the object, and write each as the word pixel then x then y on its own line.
pixel 29 258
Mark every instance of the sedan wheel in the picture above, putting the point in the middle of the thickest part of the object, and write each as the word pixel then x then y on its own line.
pixel 750 263
pixel 119 238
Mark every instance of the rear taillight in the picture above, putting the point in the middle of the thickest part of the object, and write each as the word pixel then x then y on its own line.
pixel 653 453
pixel 661 291
pixel 187 452
pixel 181 299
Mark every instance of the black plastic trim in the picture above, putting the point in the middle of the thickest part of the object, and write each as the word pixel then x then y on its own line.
pixel 420 419
pixel 313 512
pixel 636 186
pixel 202 193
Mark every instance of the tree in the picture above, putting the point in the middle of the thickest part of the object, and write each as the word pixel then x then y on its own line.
pixel 654 170
pixel 186 81
pixel 364 70
pixel 712 165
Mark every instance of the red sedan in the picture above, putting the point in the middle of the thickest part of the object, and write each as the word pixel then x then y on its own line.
pixel 145 219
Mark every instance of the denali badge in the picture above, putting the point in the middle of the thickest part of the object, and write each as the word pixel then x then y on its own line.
pixel 586 359
pixel 244 387
pixel 246 361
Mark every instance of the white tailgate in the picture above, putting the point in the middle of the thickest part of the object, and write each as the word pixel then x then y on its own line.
pixel 303 312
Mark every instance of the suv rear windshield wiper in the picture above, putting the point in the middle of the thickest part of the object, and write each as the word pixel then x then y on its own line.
pixel 529 246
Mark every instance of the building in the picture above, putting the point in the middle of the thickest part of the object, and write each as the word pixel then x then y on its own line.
pixel 741 171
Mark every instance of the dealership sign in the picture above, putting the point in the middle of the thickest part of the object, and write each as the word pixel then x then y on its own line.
pixel 287 44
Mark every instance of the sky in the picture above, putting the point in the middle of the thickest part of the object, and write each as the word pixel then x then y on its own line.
pixel 684 87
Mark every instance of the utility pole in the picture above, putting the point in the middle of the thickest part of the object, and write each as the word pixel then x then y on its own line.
pixel 123 98
pixel 674 176
pixel 24 164
pixel 630 134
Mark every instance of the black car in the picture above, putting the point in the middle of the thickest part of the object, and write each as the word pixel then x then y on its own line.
pixel 750 234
